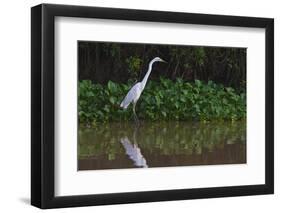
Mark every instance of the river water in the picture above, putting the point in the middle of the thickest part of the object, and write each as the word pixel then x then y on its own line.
pixel 161 144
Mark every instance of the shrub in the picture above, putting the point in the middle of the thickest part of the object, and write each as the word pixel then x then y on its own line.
pixel 163 100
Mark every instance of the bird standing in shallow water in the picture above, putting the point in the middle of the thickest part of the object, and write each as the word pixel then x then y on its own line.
pixel 134 93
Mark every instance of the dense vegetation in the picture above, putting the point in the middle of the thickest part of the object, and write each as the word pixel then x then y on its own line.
pixel 161 100
pixel 118 62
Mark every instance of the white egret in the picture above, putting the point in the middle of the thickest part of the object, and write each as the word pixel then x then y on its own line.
pixel 134 93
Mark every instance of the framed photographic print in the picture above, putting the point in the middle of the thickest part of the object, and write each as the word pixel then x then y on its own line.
pixel 139 106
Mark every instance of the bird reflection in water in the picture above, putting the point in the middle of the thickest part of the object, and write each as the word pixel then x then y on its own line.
pixel 133 151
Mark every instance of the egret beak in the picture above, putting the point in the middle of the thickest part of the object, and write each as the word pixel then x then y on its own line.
pixel 163 61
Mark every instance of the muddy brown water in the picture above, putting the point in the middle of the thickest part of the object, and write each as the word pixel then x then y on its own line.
pixel 161 144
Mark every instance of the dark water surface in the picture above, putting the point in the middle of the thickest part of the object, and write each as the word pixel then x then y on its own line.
pixel 160 144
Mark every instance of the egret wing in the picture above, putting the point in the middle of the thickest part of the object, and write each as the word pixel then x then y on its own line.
pixel 131 95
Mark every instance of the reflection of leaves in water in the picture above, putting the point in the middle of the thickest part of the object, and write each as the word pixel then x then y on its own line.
pixel 167 138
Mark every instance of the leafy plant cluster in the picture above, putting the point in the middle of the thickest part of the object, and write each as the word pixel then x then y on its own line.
pixel 162 100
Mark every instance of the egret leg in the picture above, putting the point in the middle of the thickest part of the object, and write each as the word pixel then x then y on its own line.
pixel 135 114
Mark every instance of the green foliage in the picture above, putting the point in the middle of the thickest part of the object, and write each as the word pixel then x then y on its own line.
pixel 163 100
pixel 134 64
pixel 190 57
pixel 103 61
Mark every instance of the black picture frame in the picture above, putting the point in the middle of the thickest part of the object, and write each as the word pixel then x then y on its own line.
pixel 43 102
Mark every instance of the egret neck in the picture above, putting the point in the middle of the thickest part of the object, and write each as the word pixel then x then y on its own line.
pixel 144 80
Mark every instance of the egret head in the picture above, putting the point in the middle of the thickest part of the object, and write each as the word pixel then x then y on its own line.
pixel 159 59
